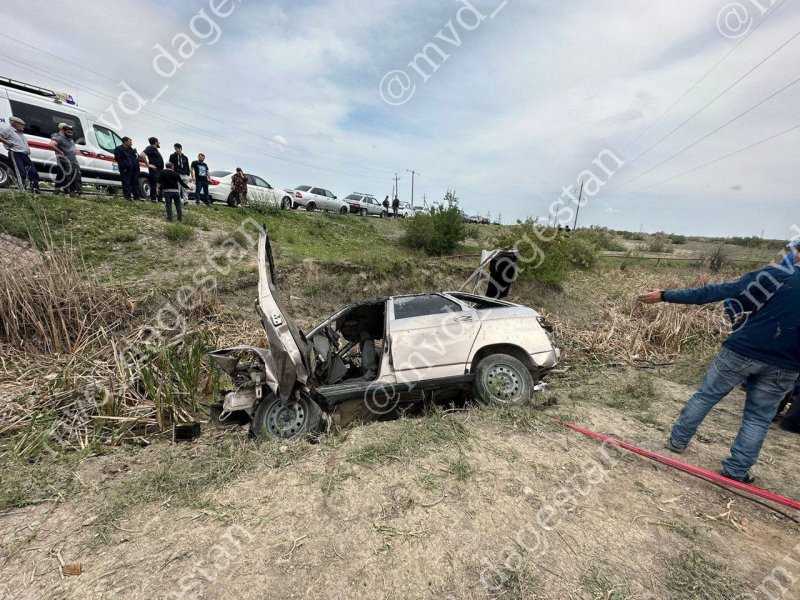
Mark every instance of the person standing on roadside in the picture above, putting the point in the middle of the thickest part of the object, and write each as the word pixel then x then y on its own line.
pixel 763 350
pixel 20 152
pixel 128 162
pixel 239 186
pixel 169 184
pixel 386 204
pixel 155 164
pixel 200 177
pixel 181 162
pixel 395 206
pixel 68 177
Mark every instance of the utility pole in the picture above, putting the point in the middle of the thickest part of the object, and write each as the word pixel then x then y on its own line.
pixel 424 201
pixel 577 210
pixel 412 183
pixel 396 187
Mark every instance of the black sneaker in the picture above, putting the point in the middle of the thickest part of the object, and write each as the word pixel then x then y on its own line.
pixel 748 478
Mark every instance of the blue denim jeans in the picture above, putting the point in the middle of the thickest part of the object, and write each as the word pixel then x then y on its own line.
pixel 201 192
pixel 766 387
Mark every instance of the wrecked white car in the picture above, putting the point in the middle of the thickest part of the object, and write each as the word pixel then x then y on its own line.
pixel 378 356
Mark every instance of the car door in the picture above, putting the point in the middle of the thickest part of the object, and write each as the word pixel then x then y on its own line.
pixel 255 190
pixel 331 201
pixel 430 336
pixel 319 197
pixel 287 346
pixel 107 140
pixel 270 194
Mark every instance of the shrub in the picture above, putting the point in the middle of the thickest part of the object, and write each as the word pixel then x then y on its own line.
pixel 659 243
pixel 601 237
pixel 546 255
pixel 435 234
pixel 718 259
pixel 631 235
pixel 752 241
pixel 178 232
pixel 678 239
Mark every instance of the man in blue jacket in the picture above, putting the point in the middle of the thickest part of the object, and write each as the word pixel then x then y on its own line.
pixel 763 350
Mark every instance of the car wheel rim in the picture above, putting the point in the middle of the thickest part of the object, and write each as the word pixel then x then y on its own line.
pixel 286 421
pixel 3 176
pixel 503 383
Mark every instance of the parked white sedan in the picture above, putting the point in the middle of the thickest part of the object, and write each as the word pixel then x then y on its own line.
pixel 315 198
pixel 258 190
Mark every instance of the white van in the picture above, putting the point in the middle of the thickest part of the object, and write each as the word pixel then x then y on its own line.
pixel 42 110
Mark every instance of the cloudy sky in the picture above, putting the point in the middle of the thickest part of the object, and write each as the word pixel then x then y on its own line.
pixel 530 93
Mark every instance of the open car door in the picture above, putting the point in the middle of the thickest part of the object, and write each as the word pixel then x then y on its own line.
pixel 286 343
pixel 495 273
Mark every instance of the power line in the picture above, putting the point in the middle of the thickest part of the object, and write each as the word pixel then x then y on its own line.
pixel 717 97
pixel 716 160
pixel 164 101
pixel 173 122
pixel 706 74
pixel 705 137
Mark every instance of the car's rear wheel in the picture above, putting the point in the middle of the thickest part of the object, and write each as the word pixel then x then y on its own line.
pixel 363 212
pixel 7 177
pixel 311 207
pixel 502 379
pixel 277 421
pixel 343 210
pixel 286 203
pixel 232 200
pixel 144 187
pixel 384 214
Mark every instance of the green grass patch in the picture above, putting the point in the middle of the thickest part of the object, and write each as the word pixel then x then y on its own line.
pixel 692 575
pixel 411 438
pixel 178 233
pixel 601 587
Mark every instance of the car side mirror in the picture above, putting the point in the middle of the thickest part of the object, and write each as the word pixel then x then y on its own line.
pixel 335 198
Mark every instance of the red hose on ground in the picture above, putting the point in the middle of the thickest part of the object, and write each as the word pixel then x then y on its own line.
pixel 687 468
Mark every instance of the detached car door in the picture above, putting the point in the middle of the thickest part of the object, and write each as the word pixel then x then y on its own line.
pixel 287 346
pixel 430 337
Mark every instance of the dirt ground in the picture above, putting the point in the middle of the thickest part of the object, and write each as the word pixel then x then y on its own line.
pixel 363 515
pixel 493 502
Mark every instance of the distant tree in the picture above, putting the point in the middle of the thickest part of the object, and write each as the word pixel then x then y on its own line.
pixel 500 217
pixel 451 199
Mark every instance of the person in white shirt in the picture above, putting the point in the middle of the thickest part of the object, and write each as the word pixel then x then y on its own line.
pixel 19 152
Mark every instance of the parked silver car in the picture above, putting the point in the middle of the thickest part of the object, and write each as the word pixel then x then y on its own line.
pixel 365 204
pixel 315 198
pixel 380 355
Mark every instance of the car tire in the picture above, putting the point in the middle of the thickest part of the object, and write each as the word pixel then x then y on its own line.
pixel 144 187
pixel 311 206
pixel 502 379
pixel 7 177
pixel 384 214
pixel 231 201
pixel 286 203
pixel 343 210
pixel 298 418
pixel 363 212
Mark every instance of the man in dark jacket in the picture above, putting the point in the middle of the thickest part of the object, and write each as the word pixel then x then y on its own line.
pixel 169 184
pixel 395 206
pixel 128 162
pixel 155 164
pixel 763 350
pixel 181 162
